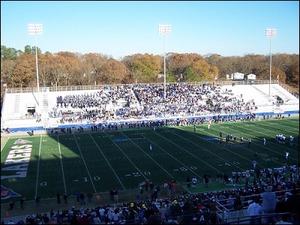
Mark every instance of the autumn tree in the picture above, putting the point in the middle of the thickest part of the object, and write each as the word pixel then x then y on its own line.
pixel 9 53
pixel 68 68
pixel 179 63
pixel 144 68
pixel 31 50
pixel 190 67
pixel 112 71
pixel 7 68
pixel 91 64
pixel 23 74
pixel 69 72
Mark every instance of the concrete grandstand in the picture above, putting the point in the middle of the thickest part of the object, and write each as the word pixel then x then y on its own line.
pixel 29 110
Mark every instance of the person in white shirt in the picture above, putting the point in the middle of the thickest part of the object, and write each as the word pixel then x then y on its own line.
pixel 209 123
pixel 269 202
pixel 116 217
pixel 254 164
pixel 150 147
pixel 265 141
pixel 101 212
pixel 194 181
pixel 291 140
pixel 287 156
pixel 254 211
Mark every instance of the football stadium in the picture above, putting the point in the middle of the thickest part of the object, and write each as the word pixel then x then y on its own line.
pixel 178 138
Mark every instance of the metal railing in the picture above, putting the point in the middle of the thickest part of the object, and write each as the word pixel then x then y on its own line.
pixel 224 210
pixel 293 91
pixel 271 217
pixel 245 199
pixel 96 87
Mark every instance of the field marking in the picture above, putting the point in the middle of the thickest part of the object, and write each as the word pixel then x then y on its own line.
pixel 261 146
pixel 108 163
pixel 284 126
pixel 205 149
pixel 196 157
pixel 284 146
pixel 149 156
pixel 274 160
pixel 278 127
pixel 221 147
pixel 38 168
pixel 283 130
pixel 61 164
pixel 278 123
pixel 120 149
pixel 2 146
pixel 85 164
pixel 226 148
pixel 258 139
pixel 173 157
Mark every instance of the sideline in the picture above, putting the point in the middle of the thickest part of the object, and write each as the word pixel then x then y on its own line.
pixel 38 169
pixel 4 142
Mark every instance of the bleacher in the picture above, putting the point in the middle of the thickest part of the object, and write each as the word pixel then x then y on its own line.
pixel 17 115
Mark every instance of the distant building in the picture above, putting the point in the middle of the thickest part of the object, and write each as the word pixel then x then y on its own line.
pixel 237 76
pixel 251 76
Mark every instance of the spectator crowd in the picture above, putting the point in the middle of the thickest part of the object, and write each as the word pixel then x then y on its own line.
pixel 144 101
pixel 271 191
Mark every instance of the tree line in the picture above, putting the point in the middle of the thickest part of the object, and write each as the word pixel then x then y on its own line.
pixel 68 68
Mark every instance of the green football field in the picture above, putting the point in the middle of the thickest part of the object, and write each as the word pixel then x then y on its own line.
pixel 98 162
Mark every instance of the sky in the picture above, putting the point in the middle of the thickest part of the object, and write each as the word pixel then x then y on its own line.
pixel 118 29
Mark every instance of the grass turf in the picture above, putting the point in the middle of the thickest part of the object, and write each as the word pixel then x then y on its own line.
pixel 98 162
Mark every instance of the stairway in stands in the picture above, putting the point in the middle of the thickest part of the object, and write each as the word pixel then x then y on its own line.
pixel 17 105
pixel 260 91
pixel 44 106
pixel 285 97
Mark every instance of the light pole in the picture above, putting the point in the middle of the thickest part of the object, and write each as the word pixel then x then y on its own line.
pixel 34 30
pixel 164 30
pixel 270 32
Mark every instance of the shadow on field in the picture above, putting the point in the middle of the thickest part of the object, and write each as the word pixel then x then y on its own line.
pixel 61 166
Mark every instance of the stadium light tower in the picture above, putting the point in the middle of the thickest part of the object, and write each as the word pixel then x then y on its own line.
pixel 270 32
pixel 164 30
pixel 34 30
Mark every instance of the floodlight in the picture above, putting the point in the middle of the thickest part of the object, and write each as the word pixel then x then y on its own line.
pixel 270 32
pixel 35 29
pixel 164 30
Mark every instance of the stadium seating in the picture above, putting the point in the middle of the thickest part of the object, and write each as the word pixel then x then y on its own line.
pixel 140 101
pixel 219 207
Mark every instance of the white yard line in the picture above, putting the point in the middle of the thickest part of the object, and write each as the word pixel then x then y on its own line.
pixel 205 149
pixel 262 146
pixel 61 164
pixel 193 155
pixel 38 168
pixel 280 126
pixel 4 144
pixel 84 163
pixel 120 149
pixel 225 148
pixel 108 163
pixel 174 157
pixel 149 156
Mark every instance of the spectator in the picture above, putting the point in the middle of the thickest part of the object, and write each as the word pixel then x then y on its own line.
pixel 254 211
pixel 268 200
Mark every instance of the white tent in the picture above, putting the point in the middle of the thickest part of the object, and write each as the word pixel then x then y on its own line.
pixel 251 76
pixel 238 76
